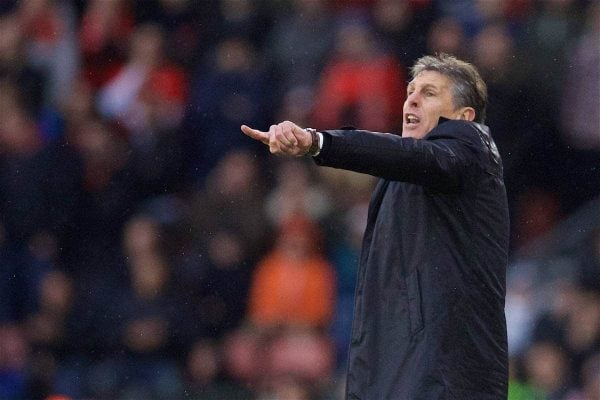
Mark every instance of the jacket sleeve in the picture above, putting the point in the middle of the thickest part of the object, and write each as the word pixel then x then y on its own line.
pixel 440 160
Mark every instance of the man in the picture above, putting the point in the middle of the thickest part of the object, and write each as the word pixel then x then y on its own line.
pixel 429 314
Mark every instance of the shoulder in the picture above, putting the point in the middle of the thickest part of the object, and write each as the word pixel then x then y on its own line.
pixel 456 128
pixel 474 136
pixel 473 133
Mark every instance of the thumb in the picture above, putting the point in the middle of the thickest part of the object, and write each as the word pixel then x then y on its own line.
pixel 256 134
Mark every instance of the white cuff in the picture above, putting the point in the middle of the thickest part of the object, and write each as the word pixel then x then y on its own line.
pixel 320 138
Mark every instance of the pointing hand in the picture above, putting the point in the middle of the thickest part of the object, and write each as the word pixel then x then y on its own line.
pixel 285 138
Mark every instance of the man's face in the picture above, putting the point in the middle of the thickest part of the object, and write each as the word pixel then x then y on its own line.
pixel 429 97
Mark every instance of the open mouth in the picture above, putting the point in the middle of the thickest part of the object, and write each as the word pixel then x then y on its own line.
pixel 411 119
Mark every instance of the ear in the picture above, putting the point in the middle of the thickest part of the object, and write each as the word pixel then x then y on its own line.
pixel 467 113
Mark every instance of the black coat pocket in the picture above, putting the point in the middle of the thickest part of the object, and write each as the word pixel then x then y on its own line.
pixel 415 303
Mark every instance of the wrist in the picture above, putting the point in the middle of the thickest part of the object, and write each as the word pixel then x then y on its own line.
pixel 315 146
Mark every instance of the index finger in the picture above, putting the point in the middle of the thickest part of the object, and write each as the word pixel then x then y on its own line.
pixel 256 134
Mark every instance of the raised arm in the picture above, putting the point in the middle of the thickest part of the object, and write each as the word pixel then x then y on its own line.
pixel 439 161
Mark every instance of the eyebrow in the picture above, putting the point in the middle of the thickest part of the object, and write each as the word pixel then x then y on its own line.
pixel 426 86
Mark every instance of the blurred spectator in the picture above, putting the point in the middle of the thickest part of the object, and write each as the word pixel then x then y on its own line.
pixel 528 144
pixel 47 333
pixel 148 89
pixel 288 362
pixel 361 84
pixel 104 32
pixel 579 117
pixel 103 152
pixel 78 106
pixel 148 297
pixel 244 356
pixel 287 388
pixel 582 336
pixel 518 389
pixel 446 35
pixel 551 30
pixel 293 284
pixel 205 378
pixel 159 156
pixel 537 211
pixel 548 369
pixel 228 228
pixel 494 54
pixel 401 24
pixel 580 105
pixel 551 323
pixel 302 353
pixel 187 25
pixel 219 297
pixel 243 19
pixel 13 361
pixel 104 198
pixel 300 41
pixel 299 363
pixel 590 388
pixel 295 193
pixel 475 14
pixel 229 89
pixel 50 28
pixel 144 320
pixel 297 105
pixel 14 67
pixel 232 201
pixel 572 322
pixel 202 366
pixel 21 157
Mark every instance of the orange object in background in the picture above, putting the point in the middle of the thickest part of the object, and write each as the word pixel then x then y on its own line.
pixel 294 284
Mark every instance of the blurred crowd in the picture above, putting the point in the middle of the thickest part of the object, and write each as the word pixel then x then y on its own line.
pixel 149 250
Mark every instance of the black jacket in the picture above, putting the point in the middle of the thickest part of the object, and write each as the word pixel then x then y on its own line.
pixel 429 314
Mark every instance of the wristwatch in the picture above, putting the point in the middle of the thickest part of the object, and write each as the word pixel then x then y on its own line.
pixel 314 146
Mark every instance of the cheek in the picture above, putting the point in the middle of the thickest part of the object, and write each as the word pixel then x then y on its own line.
pixel 436 112
pixel 405 106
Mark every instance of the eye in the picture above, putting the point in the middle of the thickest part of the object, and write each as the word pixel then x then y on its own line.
pixel 429 94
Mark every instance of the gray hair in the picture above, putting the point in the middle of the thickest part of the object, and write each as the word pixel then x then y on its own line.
pixel 469 89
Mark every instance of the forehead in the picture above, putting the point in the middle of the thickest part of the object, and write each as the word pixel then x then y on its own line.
pixel 431 78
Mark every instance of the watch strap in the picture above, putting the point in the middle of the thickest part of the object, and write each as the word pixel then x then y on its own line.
pixel 314 146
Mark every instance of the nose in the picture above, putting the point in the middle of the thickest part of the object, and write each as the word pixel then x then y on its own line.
pixel 413 99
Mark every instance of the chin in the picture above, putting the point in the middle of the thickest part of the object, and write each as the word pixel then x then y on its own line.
pixel 413 134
